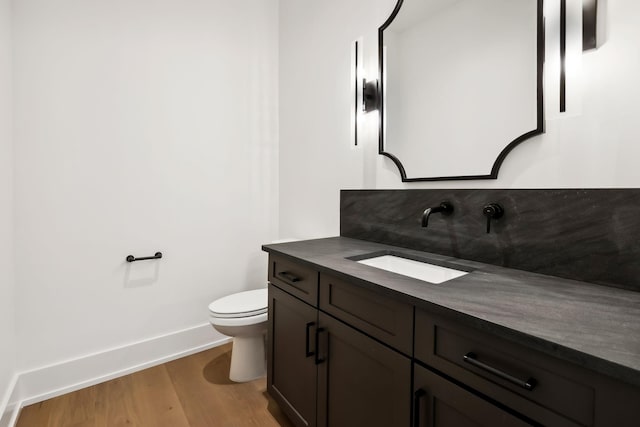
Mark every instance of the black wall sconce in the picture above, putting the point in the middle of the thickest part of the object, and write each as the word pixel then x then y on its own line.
pixel 589 24
pixel 369 95
pixel 589 40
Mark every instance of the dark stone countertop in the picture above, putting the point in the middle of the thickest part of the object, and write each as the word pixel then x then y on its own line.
pixel 594 326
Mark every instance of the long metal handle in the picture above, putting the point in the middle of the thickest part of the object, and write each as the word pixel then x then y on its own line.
pixel 318 359
pixel 131 258
pixel 288 276
pixel 472 359
pixel 417 397
pixel 307 352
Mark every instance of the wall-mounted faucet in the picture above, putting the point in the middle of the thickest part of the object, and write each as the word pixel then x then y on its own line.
pixel 445 208
pixel 492 211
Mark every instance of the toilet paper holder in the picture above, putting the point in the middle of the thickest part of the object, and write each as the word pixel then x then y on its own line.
pixel 131 258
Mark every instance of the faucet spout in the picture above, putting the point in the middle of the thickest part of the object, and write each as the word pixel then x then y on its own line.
pixel 425 216
pixel 444 207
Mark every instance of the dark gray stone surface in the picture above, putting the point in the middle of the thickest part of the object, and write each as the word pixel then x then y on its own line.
pixel 595 326
pixel 591 235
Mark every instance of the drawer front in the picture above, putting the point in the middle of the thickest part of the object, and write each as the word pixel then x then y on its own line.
pixel 378 316
pixel 441 403
pixel 299 280
pixel 488 363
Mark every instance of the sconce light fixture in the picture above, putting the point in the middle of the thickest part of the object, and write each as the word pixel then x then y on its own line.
pixel 589 38
pixel 364 93
pixel 589 24
pixel 369 95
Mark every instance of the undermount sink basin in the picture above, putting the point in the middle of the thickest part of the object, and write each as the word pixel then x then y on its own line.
pixel 417 269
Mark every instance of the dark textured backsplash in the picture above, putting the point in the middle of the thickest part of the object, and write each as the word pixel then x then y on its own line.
pixel 591 235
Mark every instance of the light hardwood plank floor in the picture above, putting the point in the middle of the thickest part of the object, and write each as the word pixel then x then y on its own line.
pixel 194 391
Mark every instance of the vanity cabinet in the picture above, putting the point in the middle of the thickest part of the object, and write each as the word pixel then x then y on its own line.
pixel 340 354
pixel 324 372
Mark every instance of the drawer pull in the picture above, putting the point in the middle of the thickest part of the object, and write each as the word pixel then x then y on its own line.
pixel 472 359
pixel 318 360
pixel 417 398
pixel 289 277
pixel 307 352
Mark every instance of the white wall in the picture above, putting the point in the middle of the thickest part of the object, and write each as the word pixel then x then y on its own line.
pixel 593 145
pixel 7 330
pixel 139 127
pixel 317 158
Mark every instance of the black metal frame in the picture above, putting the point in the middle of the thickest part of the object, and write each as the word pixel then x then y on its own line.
pixel 498 162
pixel 563 56
pixel 356 104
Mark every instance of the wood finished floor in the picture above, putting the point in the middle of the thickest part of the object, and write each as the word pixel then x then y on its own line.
pixel 194 391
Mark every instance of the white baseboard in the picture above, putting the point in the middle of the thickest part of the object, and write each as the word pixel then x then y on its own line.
pixel 8 411
pixel 44 383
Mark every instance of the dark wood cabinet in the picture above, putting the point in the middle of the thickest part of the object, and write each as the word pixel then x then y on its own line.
pixel 326 373
pixel 291 367
pixel 360 381
pixel 342 355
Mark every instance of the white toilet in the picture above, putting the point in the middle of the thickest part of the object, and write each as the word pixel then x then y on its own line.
pixel 243 316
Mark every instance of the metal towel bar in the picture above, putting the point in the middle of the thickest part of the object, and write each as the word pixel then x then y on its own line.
pixel 131 258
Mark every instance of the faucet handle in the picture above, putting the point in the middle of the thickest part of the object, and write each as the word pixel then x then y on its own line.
pixel 446 208
pixel 492 211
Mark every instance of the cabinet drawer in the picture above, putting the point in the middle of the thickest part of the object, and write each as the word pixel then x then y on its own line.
pixel 440 403
pixel 383 318
pixel 299 280
pixel 493 365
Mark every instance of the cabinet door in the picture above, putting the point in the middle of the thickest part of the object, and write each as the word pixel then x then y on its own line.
pixel 291 368
pixel 360 381
pixel 440 403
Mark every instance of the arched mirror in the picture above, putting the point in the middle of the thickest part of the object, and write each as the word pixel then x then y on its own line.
pixel 461 85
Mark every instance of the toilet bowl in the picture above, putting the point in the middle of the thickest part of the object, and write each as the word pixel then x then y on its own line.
pixel 243 316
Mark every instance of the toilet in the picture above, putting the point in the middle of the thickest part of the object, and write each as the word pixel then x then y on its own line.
pixel 243 316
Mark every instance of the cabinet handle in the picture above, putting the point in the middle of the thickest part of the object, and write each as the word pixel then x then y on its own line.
pixel 472 359
pixel 307 352
pixel 318 359
pixel 417 398
pixel 288 276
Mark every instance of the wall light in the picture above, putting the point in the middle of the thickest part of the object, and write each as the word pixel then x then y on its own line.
pixel 356 88
pixel 589 24
pixel 581 16
pixel 369 95
pixel 364 92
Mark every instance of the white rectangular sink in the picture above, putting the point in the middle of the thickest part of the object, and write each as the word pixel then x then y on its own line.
pixel 418 270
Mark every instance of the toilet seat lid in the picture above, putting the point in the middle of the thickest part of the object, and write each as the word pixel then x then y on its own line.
pixel 241 304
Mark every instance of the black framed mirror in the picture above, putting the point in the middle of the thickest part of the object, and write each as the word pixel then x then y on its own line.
pixel 460 85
